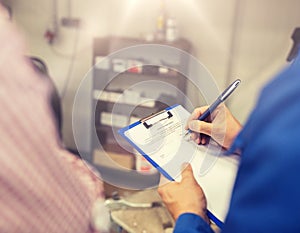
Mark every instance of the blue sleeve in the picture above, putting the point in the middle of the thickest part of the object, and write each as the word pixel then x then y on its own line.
pixel 191 223
pixel 266 196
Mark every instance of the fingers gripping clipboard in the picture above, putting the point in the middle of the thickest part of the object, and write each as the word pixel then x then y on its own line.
pixel 159 138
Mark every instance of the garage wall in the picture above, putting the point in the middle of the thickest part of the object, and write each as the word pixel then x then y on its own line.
pixel 249 39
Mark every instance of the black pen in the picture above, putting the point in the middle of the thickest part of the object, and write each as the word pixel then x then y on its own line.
pixel 225 94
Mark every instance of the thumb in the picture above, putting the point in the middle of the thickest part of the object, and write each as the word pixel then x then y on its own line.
pixel 200 127
pixel 163 180
pixel 187 172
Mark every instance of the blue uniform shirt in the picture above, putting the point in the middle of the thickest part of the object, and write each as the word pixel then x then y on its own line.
pixel 266 195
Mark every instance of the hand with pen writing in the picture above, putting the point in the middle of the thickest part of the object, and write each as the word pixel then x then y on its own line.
pixel 221 125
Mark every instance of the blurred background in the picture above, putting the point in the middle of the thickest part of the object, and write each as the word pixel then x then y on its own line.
pixel 246 39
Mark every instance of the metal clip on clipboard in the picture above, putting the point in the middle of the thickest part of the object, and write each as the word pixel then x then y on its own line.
pixel 156 118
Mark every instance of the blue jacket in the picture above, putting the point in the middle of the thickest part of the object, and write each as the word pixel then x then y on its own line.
pixel 266 195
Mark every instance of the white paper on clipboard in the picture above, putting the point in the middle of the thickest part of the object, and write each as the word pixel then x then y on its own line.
pixel 159 139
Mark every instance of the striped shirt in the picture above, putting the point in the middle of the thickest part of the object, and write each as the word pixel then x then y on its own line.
pixel 43 188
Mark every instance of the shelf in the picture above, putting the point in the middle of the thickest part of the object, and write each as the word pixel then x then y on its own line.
pixel 113 97
pixel 109 136
pixel 106 45
pixel 113 160
pixel 120 115
pixel 119 156
pixel 121 81
pixel 163 71
pixel 121 96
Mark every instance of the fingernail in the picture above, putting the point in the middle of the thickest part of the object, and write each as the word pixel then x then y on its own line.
pixel 184 165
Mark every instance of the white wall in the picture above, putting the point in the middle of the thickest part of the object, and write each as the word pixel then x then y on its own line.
pixel 260 30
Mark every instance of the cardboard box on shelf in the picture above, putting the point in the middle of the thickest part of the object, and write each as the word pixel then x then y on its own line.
pixel 114 159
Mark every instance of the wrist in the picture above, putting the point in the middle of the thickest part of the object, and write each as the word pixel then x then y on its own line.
pixel 203 217
pixel 199 212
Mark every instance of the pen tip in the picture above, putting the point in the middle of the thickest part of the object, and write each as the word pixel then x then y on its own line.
pixel 185 134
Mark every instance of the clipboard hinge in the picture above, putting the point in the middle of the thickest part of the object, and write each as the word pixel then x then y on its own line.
pixel 156 118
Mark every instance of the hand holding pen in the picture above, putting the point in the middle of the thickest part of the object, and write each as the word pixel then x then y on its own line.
pixel 222 126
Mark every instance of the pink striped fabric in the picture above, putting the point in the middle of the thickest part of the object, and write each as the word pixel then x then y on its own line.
pixel 42 187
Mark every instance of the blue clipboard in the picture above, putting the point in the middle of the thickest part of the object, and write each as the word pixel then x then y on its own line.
pixel 148 122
